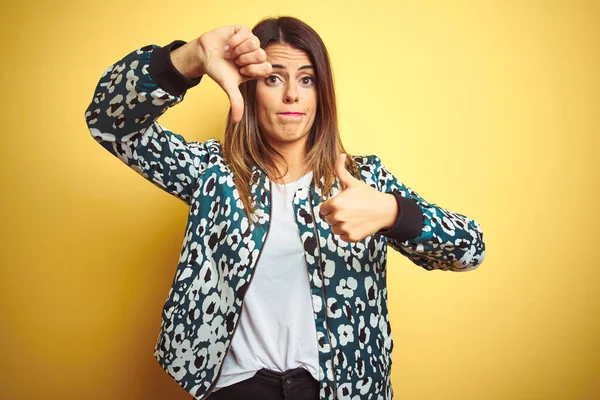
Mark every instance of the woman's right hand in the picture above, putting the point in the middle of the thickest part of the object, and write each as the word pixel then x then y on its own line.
pixel 231 55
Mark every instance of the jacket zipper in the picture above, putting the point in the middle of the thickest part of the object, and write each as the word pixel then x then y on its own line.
pixel 322 274
pixel 249 282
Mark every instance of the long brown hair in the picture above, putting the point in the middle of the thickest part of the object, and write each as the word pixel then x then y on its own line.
pixel 244 145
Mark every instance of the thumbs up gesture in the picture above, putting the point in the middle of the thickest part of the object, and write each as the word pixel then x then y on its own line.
pixel 358 210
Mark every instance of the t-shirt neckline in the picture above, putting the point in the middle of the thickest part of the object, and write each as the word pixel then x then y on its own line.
pixel 297 181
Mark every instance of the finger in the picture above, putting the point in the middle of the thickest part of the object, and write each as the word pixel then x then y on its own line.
pixel 256 57
pixel 240 34
pixel 257 70
pixel 346 179
pixel 326 208
pixel 236 100
pixel 346 238
pixel 248 46
pixel 330 220
pixel 340 229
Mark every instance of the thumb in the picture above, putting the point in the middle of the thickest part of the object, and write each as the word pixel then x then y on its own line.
pixel 236 100
pixel 346 179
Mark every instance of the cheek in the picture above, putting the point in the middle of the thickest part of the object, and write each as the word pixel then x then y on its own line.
pixel 313 106
pixel 312 101
pixel 264 104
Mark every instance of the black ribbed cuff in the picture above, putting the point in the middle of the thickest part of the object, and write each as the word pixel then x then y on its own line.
pixel 409 224
pixel 164 73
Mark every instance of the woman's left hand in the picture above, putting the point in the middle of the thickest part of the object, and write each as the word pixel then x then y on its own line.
pixel 359 210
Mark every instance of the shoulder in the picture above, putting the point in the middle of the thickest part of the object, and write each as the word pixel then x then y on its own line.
pixel 370 160
pixel 209 152
pixel 369 168
pixel 214 145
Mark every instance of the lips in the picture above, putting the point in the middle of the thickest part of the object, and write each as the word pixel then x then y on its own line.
pixel 291 113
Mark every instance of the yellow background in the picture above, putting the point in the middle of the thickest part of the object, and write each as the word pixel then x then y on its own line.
pixel 487 108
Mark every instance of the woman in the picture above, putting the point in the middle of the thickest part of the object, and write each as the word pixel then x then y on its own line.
pixel 277 203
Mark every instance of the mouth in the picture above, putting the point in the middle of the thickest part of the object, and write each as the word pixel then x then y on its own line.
pixel 291 114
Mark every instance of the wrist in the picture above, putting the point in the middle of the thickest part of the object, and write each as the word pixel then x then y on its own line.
pixel 390 209
pixel 189 59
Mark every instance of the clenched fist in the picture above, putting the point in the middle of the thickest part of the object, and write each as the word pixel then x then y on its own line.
pixel 358 210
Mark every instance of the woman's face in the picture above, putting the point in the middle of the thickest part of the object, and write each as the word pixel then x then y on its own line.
pixel 286 100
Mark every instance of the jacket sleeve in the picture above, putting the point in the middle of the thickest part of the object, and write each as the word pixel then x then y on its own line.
pixel 430 236
pixel 130 96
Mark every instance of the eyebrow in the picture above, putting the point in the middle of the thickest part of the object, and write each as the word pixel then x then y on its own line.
pixel 283 66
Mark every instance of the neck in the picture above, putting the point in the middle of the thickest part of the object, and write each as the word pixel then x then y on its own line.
pixel 294 155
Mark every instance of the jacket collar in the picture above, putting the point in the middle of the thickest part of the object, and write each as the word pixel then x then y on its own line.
pixel 261 189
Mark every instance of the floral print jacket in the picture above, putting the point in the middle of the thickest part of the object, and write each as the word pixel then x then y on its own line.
pixel 221 248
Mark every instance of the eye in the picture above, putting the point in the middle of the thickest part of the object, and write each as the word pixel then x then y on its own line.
pixel 271 79
pixel 307 80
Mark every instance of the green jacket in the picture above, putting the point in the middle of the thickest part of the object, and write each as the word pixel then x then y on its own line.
pixel 221 248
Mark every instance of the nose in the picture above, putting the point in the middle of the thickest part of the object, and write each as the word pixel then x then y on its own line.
pixel 291 94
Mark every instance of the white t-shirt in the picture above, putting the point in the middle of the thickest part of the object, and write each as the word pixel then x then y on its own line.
pixel 277 326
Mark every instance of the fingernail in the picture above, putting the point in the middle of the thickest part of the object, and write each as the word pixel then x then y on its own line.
pixel 226 47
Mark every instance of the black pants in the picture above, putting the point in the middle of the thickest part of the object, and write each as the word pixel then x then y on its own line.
pixel 294 384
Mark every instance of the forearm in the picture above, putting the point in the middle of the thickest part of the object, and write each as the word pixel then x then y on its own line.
pixel 446 240
pixel 130 96
pixel 403 218
pixel 449 241
pixel 133 92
